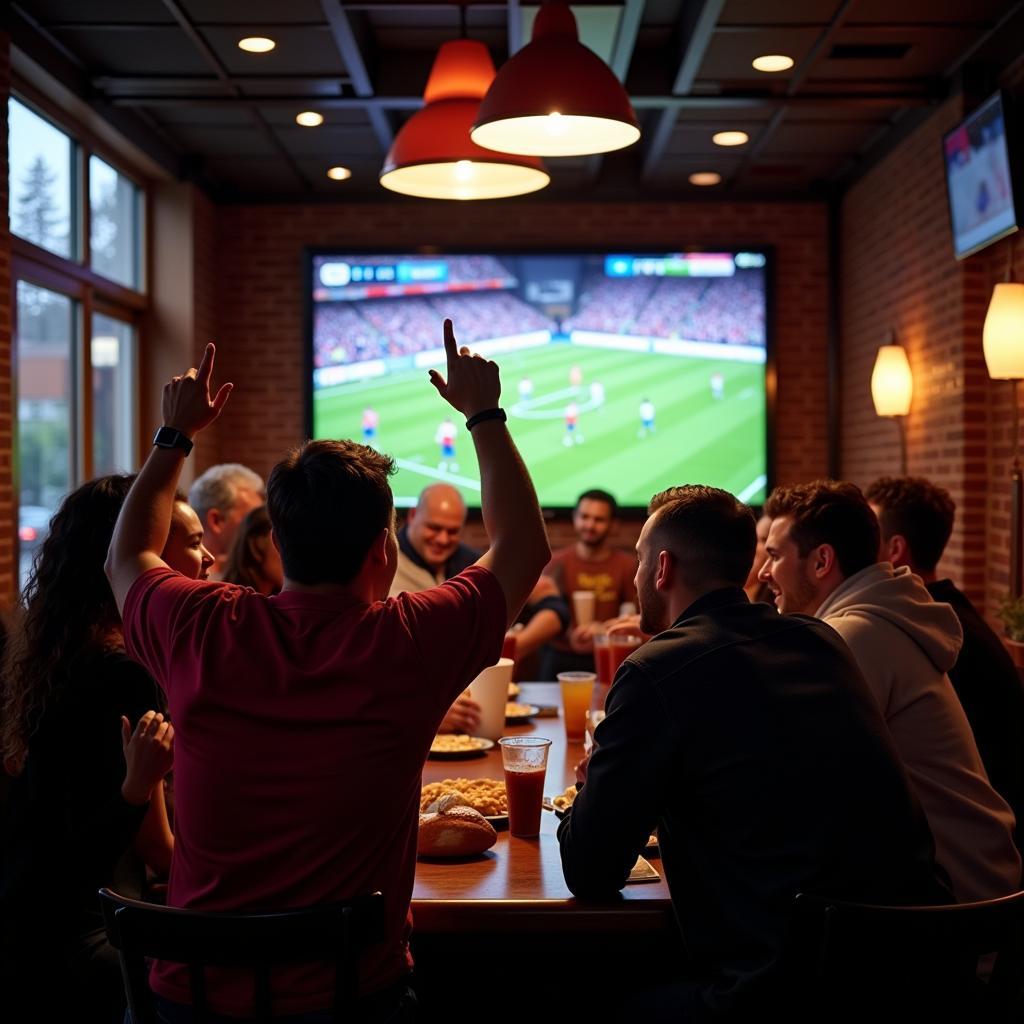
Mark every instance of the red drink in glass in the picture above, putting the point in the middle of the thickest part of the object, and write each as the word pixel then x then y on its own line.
pixel 525 795
pixel 603 659
pixel 524 759
pixel 620 647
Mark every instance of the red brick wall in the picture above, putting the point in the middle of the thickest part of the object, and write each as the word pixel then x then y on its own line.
pixel 994 412
pixel 261 333
pixel 898 272
pixel 7 525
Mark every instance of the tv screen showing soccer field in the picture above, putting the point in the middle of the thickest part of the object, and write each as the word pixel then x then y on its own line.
pixel 628 371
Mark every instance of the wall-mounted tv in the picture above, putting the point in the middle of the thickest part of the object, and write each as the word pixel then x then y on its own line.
pixel 628 370
pixel 979 155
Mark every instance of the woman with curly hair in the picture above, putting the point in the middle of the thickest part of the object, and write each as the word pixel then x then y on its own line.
pixel 254 561
pixel 84 737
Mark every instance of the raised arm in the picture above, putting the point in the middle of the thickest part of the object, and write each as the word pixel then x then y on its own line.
pixel 145 519
pixel 519 543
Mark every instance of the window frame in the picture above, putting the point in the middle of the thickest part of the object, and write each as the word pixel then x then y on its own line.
pixel 89 291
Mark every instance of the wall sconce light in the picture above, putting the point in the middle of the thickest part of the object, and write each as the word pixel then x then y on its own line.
pixel 1003 344
pixel 892 389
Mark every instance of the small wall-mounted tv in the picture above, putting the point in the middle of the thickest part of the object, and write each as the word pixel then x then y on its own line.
pixel 627 370
pixel 980 154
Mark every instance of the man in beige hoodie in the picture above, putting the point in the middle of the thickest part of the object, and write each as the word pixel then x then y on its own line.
pixel 822 560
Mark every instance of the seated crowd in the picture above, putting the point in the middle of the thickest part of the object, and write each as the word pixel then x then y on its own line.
pixel 814 710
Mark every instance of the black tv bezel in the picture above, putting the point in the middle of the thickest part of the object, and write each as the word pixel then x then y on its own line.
pixel 626 512
pixel 1015 157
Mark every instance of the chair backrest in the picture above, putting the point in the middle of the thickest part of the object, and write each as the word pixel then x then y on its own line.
pixel 919 959
pixel 334 933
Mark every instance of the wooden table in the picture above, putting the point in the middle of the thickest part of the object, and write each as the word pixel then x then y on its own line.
pixel 517 886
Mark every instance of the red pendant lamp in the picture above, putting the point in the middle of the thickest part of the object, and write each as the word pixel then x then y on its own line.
pixel 433 156
pixel 555 97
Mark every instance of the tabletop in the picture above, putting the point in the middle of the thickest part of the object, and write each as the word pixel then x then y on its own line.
pixel 518 883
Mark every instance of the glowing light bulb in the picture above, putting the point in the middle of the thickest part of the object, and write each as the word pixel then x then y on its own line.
pixel 730 138
pixel 772 62
pixel 339 173
pixel 309 119
pixel 256 44
pixel 554 125
pixel 705 178
pixel 464 170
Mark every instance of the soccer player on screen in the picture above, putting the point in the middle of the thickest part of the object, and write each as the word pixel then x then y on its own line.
pixel 646 418
pixel 525 389
pixel 572 415
pixel 575 377
pixel 717 387
pixel 371 421
pixel 445 437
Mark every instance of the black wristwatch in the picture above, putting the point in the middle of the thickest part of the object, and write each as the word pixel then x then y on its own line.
pixel 168 437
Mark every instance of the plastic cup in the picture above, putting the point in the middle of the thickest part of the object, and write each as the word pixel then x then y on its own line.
pixel 577 693
pixel 525 760
pixel 490 691
pixel 583 602
pixel 620 647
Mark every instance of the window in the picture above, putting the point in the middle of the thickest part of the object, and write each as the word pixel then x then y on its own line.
pixel 42 182
pixel 45 459
pixel 77 264
pixel 113 395
pixel 114 208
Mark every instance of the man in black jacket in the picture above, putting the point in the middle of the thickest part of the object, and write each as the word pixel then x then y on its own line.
pixel 916 519
pixel 751 742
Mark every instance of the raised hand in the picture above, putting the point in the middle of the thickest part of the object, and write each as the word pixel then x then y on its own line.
pixel 187 405
pixel 473 384
pixel 148 754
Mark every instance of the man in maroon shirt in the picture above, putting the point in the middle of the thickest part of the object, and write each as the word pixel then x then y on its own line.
pixel 303 720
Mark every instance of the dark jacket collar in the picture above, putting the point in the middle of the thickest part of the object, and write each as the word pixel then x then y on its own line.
pixel 711 600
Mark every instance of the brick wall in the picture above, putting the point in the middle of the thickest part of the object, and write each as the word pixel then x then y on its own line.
pixel 261 333
pixel 897 272
pixel 7 523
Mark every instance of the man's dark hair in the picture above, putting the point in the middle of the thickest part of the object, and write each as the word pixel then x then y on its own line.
pixel 328 502
pixel 599 495
pixel 829 512
pixel 918 510
pixel 710 533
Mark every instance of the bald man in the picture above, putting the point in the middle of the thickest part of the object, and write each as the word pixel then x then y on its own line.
pixel 429 549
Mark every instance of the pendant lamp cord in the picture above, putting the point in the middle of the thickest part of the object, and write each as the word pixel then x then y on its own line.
pixel 462 20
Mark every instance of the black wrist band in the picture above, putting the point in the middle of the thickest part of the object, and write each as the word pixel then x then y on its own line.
pixel 487 414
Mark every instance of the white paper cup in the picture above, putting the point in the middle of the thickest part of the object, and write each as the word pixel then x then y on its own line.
pixel 583 607
pixel 490 691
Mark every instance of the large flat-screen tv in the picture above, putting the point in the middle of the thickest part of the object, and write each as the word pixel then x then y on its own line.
pixel 980 154
pixel 625 370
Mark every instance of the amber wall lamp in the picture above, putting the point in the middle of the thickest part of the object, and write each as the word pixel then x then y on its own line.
pixel 892 389
pixel 1003 343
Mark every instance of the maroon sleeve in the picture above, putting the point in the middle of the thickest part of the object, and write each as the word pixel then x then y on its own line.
pixel 459 626
pixel 153 609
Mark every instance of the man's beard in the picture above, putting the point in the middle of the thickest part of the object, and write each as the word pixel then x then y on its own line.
pixel 653 610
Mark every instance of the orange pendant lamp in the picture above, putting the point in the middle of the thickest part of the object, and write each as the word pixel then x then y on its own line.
pixel 433 156
pixel 555 97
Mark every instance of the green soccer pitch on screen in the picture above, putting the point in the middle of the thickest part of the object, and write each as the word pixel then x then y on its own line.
pixel 625 371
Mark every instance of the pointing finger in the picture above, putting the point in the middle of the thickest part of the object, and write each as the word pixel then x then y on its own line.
pixel 206 366
pixel 450 347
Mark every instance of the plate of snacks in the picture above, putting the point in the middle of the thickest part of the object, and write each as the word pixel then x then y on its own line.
pixel 561 803
pixel 486 796
pixel 458 746
pixel 519 712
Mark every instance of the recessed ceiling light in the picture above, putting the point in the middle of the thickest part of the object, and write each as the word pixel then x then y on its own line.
pixel 309 119
pixel 256 44
pixel 772 62
pixel 730 138
pixel 339 173
pixel 705 178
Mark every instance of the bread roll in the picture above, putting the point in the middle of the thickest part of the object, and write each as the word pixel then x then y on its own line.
pixel 454 831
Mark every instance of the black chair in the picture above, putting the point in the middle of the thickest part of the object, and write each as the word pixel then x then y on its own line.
pixel 853 960
pixel 335 933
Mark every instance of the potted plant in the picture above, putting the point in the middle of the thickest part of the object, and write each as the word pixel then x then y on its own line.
pixel 1011 612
